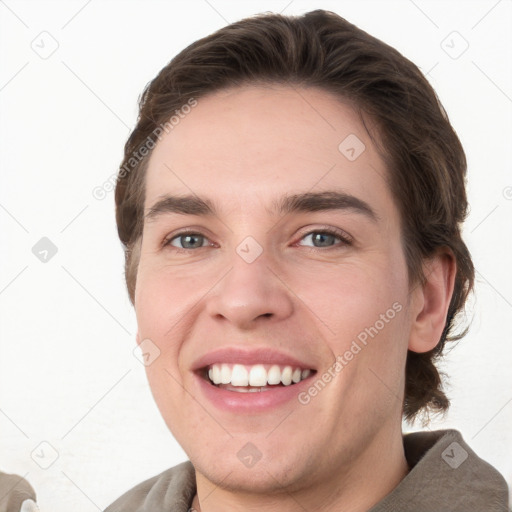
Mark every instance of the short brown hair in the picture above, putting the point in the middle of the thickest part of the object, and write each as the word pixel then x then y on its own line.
pixel 320 49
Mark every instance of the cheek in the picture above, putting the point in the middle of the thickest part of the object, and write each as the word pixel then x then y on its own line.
pixel 161 309
pixel 167 306
pixel 158 315
pixel 362 311
pixel 164 298
pixel 347 298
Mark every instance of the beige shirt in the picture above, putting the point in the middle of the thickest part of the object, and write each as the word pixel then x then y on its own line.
pixel 446 476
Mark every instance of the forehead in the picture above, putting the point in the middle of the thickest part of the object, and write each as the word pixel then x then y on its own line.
pixel 259 142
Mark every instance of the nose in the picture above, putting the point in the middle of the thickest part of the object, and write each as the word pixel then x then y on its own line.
pixel 250 294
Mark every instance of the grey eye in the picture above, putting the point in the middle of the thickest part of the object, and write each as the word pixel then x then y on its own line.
pixel 321 239
pixel 190 241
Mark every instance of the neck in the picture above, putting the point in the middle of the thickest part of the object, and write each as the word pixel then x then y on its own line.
pixel 377 471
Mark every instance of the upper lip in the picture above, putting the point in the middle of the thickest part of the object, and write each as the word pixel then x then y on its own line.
pixel 249 357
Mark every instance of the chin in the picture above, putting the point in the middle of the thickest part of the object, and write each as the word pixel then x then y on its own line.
pixel 266 476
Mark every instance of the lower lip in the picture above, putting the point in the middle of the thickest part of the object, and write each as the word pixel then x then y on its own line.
pixel 251 402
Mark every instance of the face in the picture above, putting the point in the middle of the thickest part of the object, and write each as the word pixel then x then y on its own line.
pixel 270 254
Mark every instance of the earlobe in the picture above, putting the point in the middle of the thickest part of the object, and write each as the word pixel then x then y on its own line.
pixel 433 300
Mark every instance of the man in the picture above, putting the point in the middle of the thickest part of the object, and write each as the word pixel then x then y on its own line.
pixel 290 205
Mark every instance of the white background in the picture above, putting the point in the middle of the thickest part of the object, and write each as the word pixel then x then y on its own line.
pixel 67 372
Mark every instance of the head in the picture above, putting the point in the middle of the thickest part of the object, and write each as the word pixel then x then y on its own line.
pixel 266 120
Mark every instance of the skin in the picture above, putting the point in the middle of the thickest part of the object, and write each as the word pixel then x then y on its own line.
pixel 243 148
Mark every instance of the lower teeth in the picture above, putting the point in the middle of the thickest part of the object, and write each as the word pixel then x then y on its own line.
pixel 246 389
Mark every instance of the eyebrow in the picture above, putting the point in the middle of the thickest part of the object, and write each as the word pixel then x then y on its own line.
pixel 304 202
pixel 320 201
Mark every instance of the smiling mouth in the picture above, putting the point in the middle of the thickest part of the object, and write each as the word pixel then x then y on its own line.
pixel 242 378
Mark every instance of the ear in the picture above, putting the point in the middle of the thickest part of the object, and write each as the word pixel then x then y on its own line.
pixel 431 300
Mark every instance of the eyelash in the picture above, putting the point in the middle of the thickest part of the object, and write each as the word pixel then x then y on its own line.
pixel 341 235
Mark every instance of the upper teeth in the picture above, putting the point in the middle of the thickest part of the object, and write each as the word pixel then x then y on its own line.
pixel 255 375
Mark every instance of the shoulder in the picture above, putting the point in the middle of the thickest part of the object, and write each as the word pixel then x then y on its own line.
pixel 446 474
pixel 173 489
